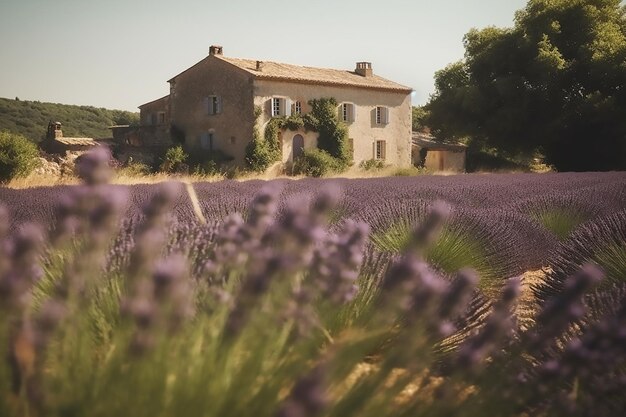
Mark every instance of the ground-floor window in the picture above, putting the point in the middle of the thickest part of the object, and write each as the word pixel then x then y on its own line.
pixel 380 150
pixel 351 148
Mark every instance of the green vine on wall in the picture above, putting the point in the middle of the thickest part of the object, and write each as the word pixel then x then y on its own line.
pixel 333 134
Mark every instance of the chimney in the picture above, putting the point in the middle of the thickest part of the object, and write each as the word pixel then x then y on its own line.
pixel 216 50
pixel 259 65
pixel 364 69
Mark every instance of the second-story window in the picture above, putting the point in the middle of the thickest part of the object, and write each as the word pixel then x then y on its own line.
pixel 161 117
pixel 280 106
pixel 297 107
pixel 348 112
pixel 213 105
pixel 382 115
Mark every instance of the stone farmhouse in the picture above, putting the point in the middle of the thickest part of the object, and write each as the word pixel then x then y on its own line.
pixel 211 107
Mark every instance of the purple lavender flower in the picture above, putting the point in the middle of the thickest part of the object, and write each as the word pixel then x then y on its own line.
pixel 93 167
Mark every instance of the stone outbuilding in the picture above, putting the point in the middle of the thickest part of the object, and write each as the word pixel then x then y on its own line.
pixel 56 143
pixel 437 156
pixel 215 105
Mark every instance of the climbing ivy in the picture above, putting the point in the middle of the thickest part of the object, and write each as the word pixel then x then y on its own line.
pixel 261 153
pixel 333 134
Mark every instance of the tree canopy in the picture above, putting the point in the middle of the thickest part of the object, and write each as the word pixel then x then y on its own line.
pixel 555 82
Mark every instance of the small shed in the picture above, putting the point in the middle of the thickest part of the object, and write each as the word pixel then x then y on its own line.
pixel 437 156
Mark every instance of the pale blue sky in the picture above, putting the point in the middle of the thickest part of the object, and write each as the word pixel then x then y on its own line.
pixel 120 53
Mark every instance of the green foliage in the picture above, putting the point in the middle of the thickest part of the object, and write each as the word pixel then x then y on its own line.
pixel 372 164
pixel 612 257
pixel 552 83
pixel 560 221
pixel 262 152
pixel 408 171
pixel 30 119
pixel 419 115
pixel 316 163
pixel 174 160
pixel 135 169
pixel 454 249
pixel 208 163
pixel 332 139
pixel 333 134
pixel 17 156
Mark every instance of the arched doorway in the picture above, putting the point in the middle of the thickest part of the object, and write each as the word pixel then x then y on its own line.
pixel 297 146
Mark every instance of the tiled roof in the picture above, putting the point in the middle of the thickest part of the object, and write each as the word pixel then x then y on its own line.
pixel 287 72
pixel 77 141
pixel 427 141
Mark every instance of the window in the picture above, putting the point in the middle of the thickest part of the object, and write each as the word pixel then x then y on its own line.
pixel 297 107
pixel 161 117
pixel 207 140
pixel 280 106
pixel 348 112
pixel 382 115
pixel 380 150
pixel 213 105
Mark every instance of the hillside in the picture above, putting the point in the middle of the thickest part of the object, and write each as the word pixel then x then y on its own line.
pixel 30 118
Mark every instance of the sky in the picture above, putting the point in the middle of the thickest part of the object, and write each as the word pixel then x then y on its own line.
pixel 119 54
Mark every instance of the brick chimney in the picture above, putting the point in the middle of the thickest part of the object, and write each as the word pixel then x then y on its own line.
pixel 216 50
pixel 364 69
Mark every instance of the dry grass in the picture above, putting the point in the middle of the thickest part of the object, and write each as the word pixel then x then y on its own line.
pixel 274 172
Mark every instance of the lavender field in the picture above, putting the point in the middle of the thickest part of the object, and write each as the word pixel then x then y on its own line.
pixel 373 297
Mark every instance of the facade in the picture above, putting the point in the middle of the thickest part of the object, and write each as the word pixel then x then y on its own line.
pixel 211 107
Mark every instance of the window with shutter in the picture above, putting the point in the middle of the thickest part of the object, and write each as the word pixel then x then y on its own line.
pixel 297 107
pixel 382 115
pixel 213 105
pixel 348 112
pixel 381 150
pixel 276 108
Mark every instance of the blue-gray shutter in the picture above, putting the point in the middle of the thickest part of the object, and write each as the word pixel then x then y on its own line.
pixel 206 105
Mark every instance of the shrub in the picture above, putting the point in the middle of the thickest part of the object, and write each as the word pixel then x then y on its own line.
pixel 372 164
pixel 135 169
pixel 18 156
pixel 174 160
pixel 259 155
pixel 316 163
pixel 559 221
pixel 408 171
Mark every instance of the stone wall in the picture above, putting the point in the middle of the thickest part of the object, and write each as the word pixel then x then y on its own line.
pixel 232 128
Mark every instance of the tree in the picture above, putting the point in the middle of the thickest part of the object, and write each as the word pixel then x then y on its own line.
pixel 555 82
pixel 419 115
pixel 18 156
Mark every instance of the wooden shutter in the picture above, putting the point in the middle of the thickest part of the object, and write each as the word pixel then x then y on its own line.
pixel 206 105
pixel 353 112
pixel 218 101
pixel 384 150
pixel 287 103
pixel 385 115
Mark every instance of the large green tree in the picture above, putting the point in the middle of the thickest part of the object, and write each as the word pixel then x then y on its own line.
pixel 555 82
